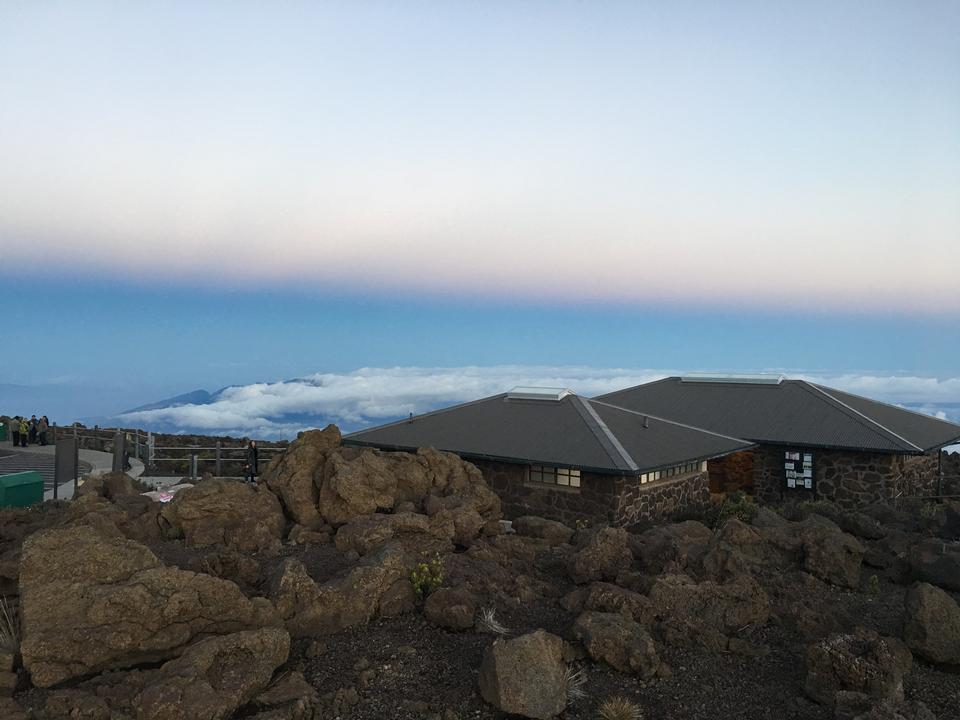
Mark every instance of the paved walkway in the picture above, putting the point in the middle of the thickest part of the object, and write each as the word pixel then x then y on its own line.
pixel 41 459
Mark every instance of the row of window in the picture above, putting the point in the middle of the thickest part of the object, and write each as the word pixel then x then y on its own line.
pixel 567 477
pixel 681 469
pixel 554 476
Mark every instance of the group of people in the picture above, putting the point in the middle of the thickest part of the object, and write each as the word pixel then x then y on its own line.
pixel 33 431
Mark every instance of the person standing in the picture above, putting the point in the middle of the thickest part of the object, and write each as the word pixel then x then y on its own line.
pixel 24 432
pixel 250 469
pixel 33 430
pixel 15 430
pixel 42 428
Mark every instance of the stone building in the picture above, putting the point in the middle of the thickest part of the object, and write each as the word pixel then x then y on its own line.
pixel 811 441
pixel 553 453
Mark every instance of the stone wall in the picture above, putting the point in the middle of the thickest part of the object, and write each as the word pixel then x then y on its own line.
pixel 594 501
pixel 610 499
pixel 850 479
pixel 658 501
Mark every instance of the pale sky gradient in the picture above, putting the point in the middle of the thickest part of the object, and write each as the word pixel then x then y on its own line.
pixel 803 156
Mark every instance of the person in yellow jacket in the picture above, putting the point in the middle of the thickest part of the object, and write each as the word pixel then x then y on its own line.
pixel 24 432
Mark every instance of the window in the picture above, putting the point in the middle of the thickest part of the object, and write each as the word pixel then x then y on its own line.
pixel 546 475
pixel 681 469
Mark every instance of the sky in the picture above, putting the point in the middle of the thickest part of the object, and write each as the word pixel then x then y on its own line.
pixel 201 194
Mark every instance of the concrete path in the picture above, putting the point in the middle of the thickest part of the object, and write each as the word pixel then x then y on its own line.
pixel 41 459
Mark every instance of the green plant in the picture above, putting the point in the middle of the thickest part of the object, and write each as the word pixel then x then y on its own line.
pixel 873 585
pixel 9 626
pixel 737 505
pixel 581 524
pixel 427 577
pixel 619 708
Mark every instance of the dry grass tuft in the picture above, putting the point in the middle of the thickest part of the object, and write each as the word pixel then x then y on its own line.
pixel 574 681
pixel 9 626
pixel 619 708
pixel 488 621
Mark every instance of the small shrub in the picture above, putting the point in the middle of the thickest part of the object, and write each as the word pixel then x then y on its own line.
pixel 573 682
pixel 797 511
pixel 737 505
pixel 620 708
pixel 873 585
pixel 427 577
pixel 581 524
pixel 9 626
pixel 488 621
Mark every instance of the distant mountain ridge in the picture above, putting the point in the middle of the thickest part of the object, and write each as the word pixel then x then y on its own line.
pixel 195 397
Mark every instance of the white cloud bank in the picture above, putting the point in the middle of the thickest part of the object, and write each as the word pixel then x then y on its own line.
pixel 372 395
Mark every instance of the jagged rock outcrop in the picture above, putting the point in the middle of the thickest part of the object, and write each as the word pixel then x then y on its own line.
pixel 677 547
pixel 525 676
pixel 931 626
pixel 603 555
pixel 318 482
pixel 378 585
pixel 241 516
pixel 618 641
pixel 708 614
pixel 111 485
pixel 860 662
pixel 91 603
pixel 127 515
pixel 213 677
pixel 368 532
pixel 296 475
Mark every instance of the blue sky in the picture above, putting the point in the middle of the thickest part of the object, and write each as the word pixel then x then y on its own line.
pixel 201 194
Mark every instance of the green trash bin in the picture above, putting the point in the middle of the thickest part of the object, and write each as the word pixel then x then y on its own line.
pixel 3 431
pixel 21 489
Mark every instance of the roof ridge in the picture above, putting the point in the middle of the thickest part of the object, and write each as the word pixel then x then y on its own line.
pixel 634 387
pixel 673 422
pixel 608 441
pixel 438 411
pixel 856 415
pixel 925 416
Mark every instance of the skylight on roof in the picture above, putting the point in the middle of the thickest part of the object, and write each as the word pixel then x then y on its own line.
pixel 767 379
pixel 539 393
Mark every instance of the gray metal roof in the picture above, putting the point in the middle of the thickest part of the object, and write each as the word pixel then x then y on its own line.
pixel 570 432
pixel 792 412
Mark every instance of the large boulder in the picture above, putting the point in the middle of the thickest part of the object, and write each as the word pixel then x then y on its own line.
pixel 241 516
pixel 861 662
pixel 831 554
pixel 602 556
pixel 608 598
pixel 525 676
pixel 111 485
pixel 132 516
pixel 708 614
pixel 378 585
pixel 296 475
pixel 618 641
pixel 214 677
pixel 452 608
pixel 91 603
pixel 671 548
pixel 932 624
pixel 318 482
pixel 738 548
pixel 420 532
pixel 554 532
pixel 936 562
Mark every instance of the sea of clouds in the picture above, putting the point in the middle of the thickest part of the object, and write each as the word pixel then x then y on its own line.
pixel 371 396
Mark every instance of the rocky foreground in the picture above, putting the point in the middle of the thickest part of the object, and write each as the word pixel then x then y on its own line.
pixel 361 584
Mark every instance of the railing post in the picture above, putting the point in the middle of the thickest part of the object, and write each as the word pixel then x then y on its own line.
pixel 193 466
pixel 136 445
pixel 218 472
pixel 151 449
